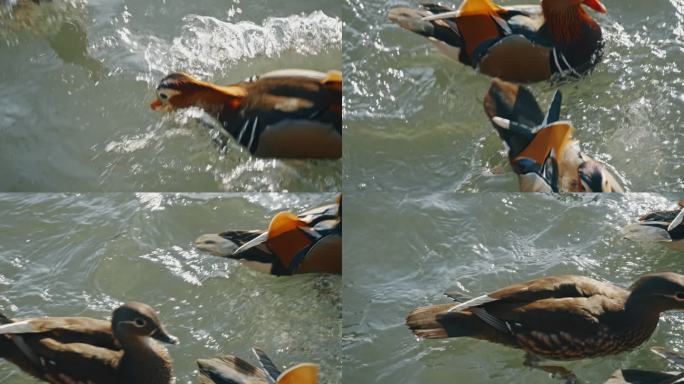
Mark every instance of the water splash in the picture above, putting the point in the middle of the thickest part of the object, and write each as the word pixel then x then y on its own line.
pixel 207 46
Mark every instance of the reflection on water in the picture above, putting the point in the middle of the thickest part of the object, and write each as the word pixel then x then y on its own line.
pixel 414 247
pixel 61 23
pixel 78 79
pixel 65 255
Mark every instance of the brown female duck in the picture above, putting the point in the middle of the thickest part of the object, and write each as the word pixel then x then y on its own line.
pixel 660 226
pixel 281 114
pixel 310 242
pixel 541 149
pixel 519 43
pixel 233 370
pixel 65 350
pixel 559 317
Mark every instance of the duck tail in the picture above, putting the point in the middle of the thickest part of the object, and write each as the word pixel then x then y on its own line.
pixel 229 370
pixel 436 322
pixel 413 20
pixel 517 104
pixel 225 244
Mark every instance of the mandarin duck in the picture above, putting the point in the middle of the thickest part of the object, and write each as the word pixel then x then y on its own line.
pixel 64 350
pixel 638 376
pixel 541 149
pixel 233 370
pixel 660 226
pixel 281 114
pixel 310 242
pixel 558 317
pixel 523 44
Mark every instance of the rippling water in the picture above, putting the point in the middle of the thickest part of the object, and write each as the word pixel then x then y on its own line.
pixel 415 120
pixel 77 79
pixel 66 255
pixel 413 248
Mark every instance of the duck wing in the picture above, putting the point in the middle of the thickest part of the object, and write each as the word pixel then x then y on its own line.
pixel 315 215
pixel 289 113
pixel 229 370
pixel 65 330
pixel 657 226
pixel 77 348
pixel 517 104
pixel 79 362
pixel 553 287
pixel 665 217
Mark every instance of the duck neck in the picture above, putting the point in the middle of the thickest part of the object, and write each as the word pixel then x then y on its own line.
pixel 565 23
pixel 644 309
pixel 215 100
pixel 145 361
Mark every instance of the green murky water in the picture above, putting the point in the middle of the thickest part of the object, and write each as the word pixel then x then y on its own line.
pixel 68 255
pixel 77 78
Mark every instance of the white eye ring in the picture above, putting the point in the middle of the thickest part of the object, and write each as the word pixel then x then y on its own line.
pixel 139 322
pixel 163 96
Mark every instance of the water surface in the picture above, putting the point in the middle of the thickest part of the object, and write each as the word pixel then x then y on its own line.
pixel 77 79
pixel 83 255
pixel 412 248
pixel 415 120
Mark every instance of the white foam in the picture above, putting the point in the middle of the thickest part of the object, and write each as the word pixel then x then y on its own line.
pixel 207 45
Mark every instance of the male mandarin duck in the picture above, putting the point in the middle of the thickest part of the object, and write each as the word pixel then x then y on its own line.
pixel 310 242
pixel 541 148
pixel 281 114
pixel 233 370
pixel 63 350
pixel 660 226
pixel 558 317
pixel 523 44
pixel 639 376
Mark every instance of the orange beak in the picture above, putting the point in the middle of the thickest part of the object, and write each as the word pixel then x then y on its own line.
pixel 155 105
pixel 596 6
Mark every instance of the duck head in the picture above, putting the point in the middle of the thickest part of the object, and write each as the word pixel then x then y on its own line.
pixel 565 18
pixel 593 177
pixel 216 245
pixel 659 291
pixel 139 320
pixel 560 5
pixel 179 90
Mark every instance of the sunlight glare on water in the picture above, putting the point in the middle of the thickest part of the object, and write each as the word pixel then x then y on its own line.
pixel 477 243
pixel 83 255
pixel 78 78
pixel 415 120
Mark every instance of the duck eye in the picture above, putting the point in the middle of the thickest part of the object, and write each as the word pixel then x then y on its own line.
pixel 139 322
pixel 163 96
pixel 679 296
